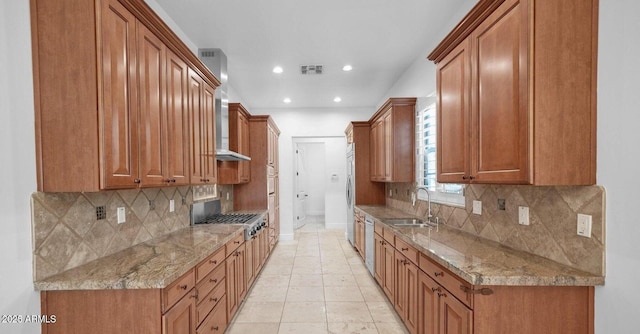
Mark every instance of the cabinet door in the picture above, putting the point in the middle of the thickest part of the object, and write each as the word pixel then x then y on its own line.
pixel 196 131
pixel 387 149
pixel 428 304
pixel 231 280
pixel 453 78
pixel 379 258
pixel 181 318
pixel 500 118
pixel 119 128
pixel 209 133
pixel 243 147
pixel 412 316
pixel 373 149
pixel 389 275
pixel 455 317
pixel 250 259
pixel 177 135
pixel 400 297
pixel 241 285
pixel 151 78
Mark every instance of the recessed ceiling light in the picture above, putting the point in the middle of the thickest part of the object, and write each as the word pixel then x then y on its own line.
pixel 277 69
pixel 347 68
pixel 286 100
pixel 337 99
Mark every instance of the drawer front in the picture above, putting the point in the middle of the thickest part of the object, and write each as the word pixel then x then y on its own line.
pixel 177 290
pixel 208 302
pixel 271 185
pixel 389 236
pixel 408 251
pixel 234 243
pixel 271 171
pixel 216 321
pixel 447 279
pixel 205 267
pixel 378 228
pixel 210 282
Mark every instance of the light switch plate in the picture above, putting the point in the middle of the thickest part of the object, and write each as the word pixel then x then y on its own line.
pixel 122 215
pixel 477 207
pixel 523 215
pixel 172 205
pixel 584 225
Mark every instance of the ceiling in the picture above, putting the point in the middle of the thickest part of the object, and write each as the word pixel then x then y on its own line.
pixel 379 38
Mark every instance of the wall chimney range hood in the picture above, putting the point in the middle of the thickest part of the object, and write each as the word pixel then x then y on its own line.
pixel 216 61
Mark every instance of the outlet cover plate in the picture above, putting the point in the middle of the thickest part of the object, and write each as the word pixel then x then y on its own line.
pixel 122 215
pixel 477 207
pixel 523 215
pixel 584 225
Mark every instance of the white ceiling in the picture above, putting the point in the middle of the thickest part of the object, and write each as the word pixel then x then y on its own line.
pixel 379 38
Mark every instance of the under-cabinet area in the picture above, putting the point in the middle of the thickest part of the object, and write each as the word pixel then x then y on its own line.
pixel 443 280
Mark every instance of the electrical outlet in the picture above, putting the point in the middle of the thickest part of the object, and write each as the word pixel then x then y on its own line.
pixel 477 207
pixel 227 196
pixel 502 204
pixel 172 205
pixel 584 225
pixel 122 215
pixel 523 215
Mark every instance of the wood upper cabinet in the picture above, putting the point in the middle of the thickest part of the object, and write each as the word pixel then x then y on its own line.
pixel 201 107
pixel 111 112
pixel 392 141
pixel 235 172
pixel 516 94
pixel 367 192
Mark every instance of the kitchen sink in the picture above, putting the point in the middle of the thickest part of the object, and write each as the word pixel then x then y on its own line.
pixel 407 222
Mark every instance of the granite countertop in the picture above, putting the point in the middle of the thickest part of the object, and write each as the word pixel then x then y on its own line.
pixel 480 261
pixel 149 265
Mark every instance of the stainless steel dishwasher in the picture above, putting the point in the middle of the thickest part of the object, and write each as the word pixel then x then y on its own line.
pixel 369 248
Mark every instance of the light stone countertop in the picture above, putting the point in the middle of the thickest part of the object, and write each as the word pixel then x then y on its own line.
pixel 480 261
pixel 149 265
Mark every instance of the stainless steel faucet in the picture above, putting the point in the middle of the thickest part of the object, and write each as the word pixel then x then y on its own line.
pixel 429 215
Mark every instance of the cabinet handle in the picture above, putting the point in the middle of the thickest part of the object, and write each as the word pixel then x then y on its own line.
pixel 136 180
pixel 404 249
pixel 195 296
pixel 435 289
pixel 173 180
pixel 471 177
pixel 236 242
pixel 167 180
pixel 215 300
pixel 464 177
pixel 213 261
pixel 439 274
pixel 183 287
pixel 215 328
pixel 483 291
pixel 440 294
pixel 213 280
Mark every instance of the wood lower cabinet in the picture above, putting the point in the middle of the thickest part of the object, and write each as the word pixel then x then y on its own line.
pixel 359 232
pixel 129 130
pixel 438 312
pixel 236 275
pixel 379 272
pixel 392 141
pixel 405 299
pixel 180 319
pixel 516 94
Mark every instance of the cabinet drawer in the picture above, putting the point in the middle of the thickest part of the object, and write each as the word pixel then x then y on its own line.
pixel 234 243
pixel 216 321
pixel 209 301
pixel 177 289
pixel 378 228
pixel 205 267
pixel 447 279
pixel 408 251
pixel 388 236
pixel 210 282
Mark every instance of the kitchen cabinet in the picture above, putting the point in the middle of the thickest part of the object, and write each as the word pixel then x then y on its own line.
pixel 202 130
pixel 181 319
pixel 378 242
pixel 236 275
pixel 359 233
pixel 406 282
pixel 235 172
pixel 117 89
pixel 392 141
pixel 516 94
pixel 438 311
pixel 367 192
pixel 262 192
pixel 389 278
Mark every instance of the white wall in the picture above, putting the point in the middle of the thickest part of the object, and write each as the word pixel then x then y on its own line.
pixel 17 149
pixel 306 123
pixel 618 302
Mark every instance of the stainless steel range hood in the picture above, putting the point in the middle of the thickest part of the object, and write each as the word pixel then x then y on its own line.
pixel 216 61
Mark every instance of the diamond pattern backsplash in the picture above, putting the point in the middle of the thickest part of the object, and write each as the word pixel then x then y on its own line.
pixel 67 234
pixel 552 232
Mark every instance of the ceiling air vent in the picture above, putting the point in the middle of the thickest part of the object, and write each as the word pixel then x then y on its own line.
pixel 311 69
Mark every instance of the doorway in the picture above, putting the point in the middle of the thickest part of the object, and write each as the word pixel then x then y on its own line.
pixel 309 183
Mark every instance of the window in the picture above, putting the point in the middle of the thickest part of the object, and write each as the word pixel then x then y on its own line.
pixel 445 193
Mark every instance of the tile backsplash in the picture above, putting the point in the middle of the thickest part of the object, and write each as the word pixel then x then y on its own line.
pixel 67 233
pixel 552 232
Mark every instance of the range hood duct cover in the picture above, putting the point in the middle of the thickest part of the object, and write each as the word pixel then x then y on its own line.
pixel 216 61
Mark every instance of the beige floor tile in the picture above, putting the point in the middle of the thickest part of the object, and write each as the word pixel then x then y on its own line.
pixel 288 260
pixel 301 261
pixel 360 270
pixel 365 280
pixel 265 281
pixel 382 312
pixel 308 252
pixel 268 311
pixel 342 294
pixel 306 280
pixel 391 328
pixel 339 280
pixel 253 328
pixel 372 294
pixel 348 312
pixel 352 328
pixel 306 328
pixel 277 269
pixel 272 294
pixel 304 312
pixel 305 294
pixel 336 269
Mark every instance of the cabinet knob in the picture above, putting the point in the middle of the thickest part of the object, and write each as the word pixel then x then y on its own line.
pixel 404 249
pixel 213 261
pixel 215 300
pixel 136 181
pixel 213 280
pixel 439 274
pixel 236 242
pixel 215 328
pixel 183 287
pixel 173 180
pixel 471 177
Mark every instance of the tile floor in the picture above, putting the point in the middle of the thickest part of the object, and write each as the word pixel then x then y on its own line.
pixel 316 283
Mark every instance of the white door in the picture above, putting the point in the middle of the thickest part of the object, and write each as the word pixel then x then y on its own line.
pixel 301 186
